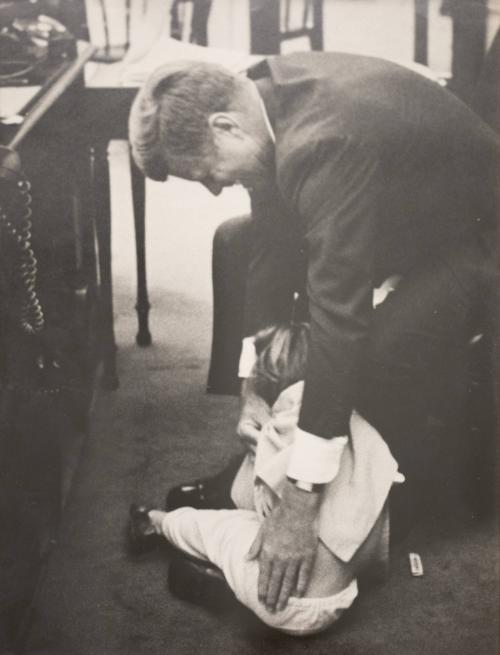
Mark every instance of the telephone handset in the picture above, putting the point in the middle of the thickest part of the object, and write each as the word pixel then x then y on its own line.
pixel 15 228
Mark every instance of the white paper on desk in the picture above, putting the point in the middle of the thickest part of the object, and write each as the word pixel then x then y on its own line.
pixel 14 98
pixel 167 49
pixel 115 22
pixel 133 72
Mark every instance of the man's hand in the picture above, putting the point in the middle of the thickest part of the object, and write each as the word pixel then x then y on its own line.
pixel 254 413
pixel 286 547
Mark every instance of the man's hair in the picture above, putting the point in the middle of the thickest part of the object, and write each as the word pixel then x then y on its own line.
pixel 281 358
pixel 169 116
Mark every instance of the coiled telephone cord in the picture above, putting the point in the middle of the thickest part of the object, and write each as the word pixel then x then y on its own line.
pixel 31 316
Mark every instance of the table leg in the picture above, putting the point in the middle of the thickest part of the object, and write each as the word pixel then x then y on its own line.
pixel 421 39
pixel 317 34
pixel 264 27
pixel 142 307
pixel 102 207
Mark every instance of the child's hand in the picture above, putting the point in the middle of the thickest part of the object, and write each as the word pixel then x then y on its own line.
pixel 254 414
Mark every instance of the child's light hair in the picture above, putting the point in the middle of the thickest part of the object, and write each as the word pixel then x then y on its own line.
pixel 281 358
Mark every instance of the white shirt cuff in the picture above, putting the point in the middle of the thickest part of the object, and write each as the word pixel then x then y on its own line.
pixel 314 459
pixel 248 357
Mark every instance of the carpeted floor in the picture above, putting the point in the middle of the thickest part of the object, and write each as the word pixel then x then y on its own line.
pixel 160 428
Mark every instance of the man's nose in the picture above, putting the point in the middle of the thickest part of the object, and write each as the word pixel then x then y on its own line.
pixel 214 188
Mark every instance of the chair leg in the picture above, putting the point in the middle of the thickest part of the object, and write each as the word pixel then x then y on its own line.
pixel 142 307
pixel 316 37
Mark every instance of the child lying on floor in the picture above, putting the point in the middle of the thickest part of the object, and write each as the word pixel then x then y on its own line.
pixel 353 518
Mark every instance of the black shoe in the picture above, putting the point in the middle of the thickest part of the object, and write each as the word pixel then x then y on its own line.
pixel 141 535
pixel 196 581
pixel 206 493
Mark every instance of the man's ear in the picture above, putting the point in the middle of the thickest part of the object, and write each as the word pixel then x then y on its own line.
pixel 224 123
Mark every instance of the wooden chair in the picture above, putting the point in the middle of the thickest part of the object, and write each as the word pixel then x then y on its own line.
pixel 486 100
pixel 198 21
pixel 274 21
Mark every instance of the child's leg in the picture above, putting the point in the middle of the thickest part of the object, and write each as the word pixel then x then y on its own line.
pixel 219 536
pixel 224 538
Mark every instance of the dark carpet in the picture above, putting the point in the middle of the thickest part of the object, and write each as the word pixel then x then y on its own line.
pixel 160 428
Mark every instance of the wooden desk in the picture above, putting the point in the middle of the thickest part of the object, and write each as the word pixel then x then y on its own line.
pixel 44 413
pixel 106 111
pixel 55 118
pixel 14 129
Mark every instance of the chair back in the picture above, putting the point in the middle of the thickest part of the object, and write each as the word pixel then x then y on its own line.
pixel 486 98
pixel 273 22
pixel 304 18
pixel 189 20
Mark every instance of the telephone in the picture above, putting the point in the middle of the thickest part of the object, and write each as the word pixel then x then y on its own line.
pixel 32 363
pixel 26 44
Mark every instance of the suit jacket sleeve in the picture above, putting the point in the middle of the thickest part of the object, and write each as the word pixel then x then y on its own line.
pixel 273 271
pixel 337 198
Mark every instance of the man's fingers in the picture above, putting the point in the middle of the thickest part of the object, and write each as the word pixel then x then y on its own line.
pixel 274 586
pixel 288 585
pixel 304 576
pixel 255 547
pixel 265 570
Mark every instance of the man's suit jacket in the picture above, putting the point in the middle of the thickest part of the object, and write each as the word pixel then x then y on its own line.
pixel 376 168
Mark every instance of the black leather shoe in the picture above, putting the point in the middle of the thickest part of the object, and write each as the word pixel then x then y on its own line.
pixel 199 582
pixel 141 536
pixel 206 493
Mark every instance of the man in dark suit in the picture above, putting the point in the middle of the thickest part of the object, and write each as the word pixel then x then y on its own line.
pixel 358 170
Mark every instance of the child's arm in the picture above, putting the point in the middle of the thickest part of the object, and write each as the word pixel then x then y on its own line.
pixel 254 414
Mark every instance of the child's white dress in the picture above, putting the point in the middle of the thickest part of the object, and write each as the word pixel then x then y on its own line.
pixel 353 511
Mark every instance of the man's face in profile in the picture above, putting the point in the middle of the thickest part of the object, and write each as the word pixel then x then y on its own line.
pixel 235 156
